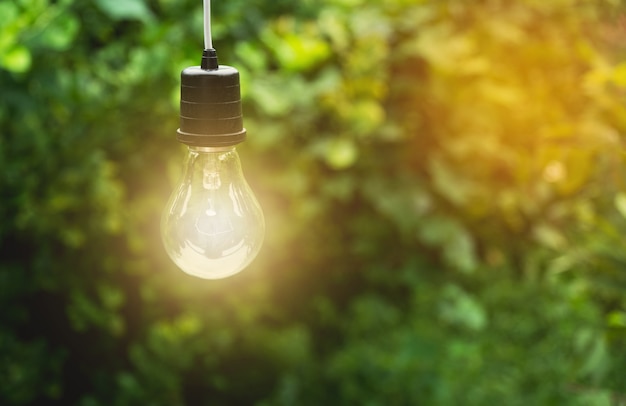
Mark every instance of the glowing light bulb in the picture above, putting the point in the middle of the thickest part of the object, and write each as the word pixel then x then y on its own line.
pixel 213 226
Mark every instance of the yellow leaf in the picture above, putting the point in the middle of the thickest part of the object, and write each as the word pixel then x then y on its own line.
pixel 341 153
pixel 620 203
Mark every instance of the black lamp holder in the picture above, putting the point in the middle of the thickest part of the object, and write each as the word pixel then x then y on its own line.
pixel 210 104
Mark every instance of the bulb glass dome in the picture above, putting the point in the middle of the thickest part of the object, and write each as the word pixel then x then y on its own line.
pixel 212 226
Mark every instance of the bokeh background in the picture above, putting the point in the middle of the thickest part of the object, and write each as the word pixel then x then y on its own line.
pixel 443 183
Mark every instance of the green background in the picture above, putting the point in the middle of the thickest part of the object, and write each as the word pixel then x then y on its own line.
pixel 443 183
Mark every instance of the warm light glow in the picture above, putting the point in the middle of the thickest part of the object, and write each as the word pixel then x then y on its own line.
pixel 213 226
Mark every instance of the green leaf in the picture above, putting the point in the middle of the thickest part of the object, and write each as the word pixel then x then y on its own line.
pixel 616 319
pixel 460 308
pixel 9 12
pixel 436 230
pixel 61 33
pixel 459 252
pixel 126 10
pixel 550 237
pixel 17 59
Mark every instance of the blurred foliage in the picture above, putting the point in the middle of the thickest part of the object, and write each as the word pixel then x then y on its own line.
pixel 443 183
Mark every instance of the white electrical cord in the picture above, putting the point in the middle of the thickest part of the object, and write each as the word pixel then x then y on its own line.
pixel 208 41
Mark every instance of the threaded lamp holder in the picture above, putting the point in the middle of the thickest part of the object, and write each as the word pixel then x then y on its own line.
pixel 210 104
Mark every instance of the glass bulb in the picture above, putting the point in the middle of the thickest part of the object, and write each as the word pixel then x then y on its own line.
pixel 212 226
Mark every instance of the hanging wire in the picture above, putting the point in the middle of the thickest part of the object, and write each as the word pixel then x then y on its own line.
pixel 208 41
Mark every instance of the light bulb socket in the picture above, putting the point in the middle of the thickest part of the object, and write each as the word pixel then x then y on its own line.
pixel 209 59
pixel 210 104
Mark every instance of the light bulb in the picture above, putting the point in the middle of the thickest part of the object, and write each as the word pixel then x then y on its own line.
pixel 213 226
